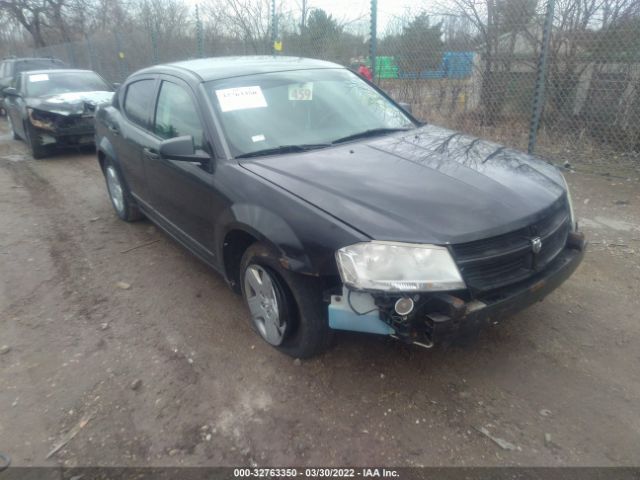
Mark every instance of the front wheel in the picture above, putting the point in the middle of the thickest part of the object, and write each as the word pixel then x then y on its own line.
pixel 286 309
pixel 33 140
pixel 121 198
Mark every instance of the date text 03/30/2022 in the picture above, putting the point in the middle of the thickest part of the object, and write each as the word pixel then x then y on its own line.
pixel 316 472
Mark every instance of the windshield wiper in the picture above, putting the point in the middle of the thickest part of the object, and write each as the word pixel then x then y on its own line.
pixel 284 149
pixel 369 133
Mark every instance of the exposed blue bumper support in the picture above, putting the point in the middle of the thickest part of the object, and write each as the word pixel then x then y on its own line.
pixel 343 317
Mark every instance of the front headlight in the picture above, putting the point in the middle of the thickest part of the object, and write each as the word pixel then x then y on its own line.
pixel 391 266
pixel 39 121
pixel 572 216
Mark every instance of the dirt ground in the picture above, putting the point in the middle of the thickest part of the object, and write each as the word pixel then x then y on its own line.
pixel 168 372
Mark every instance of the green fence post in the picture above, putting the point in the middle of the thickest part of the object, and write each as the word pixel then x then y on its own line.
pixel 541 78
pixel 121 58
pixel 274 27
pixel 199 37
pixel 90 53
pixel 155 55
pixel 373 40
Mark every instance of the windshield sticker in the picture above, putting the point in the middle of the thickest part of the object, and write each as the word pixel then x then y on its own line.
pixel 39 77
pixel 258 138
pixel 301 91
pixel 240 98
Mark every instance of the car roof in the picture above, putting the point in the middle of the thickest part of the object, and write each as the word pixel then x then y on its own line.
pixel 57 70
pixel 216 68
pixel 33 59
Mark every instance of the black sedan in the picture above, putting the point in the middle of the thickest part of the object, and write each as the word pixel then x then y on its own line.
pixel 55 108
pixel 328 206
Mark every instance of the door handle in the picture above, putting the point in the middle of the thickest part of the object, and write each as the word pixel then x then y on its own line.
pixel 150 154
pixel 114 129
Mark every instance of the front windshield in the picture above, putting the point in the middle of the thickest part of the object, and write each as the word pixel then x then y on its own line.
pixel 308 107
pixel 39 84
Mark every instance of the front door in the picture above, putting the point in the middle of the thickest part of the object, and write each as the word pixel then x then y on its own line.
pixel 181 192
pixel 16 109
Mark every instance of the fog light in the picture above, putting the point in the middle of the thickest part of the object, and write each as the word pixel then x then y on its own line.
pixel 404 306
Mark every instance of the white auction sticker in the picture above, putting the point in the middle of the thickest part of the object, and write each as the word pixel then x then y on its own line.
pixel 39 77
pixel 258 138
pixel 240 98
pixel 301 91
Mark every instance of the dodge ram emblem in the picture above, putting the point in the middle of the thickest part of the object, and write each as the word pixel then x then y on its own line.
pixel 536 245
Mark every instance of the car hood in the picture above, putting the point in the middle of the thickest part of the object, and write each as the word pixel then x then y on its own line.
pixel 72 103
pixel 431 185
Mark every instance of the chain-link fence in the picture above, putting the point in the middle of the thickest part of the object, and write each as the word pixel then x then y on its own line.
pixel 560 76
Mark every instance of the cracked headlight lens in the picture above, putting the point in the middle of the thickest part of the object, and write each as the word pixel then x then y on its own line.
pixel 391 266
pixel 39 121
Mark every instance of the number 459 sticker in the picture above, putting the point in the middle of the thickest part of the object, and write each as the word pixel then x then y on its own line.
pixel 301 91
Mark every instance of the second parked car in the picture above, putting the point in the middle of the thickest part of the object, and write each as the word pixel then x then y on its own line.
pixel 50 109
pixel 328 206
pixel 10 68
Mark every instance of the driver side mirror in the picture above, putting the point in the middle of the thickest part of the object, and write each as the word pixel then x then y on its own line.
pixel 182 149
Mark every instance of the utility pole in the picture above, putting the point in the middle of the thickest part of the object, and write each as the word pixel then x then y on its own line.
pixel 304 15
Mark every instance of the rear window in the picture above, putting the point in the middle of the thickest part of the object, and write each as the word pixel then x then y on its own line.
pixel 37 64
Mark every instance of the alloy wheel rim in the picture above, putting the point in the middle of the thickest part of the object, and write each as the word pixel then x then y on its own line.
pixel 262 300
pixel 115 189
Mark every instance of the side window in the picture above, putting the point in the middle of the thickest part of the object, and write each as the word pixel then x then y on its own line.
pixel 176 114
pixel 138 101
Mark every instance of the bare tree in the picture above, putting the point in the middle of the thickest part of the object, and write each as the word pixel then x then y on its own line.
pixel 248 21
pixel 165 18
pixel 498 24
pixel 31 14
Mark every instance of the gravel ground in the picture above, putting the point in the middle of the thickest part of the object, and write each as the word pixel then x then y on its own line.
pixel 118 347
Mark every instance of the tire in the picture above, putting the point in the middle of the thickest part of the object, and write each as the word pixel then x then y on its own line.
pixel 299 305
pixel 14 135
pixel 37 149
pixel 121 199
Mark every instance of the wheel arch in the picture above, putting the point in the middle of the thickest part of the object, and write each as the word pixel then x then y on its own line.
pixel 105 150
pixel 247 224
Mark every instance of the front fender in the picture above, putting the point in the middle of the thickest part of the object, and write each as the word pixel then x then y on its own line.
pixel 270 229
pixel 104 145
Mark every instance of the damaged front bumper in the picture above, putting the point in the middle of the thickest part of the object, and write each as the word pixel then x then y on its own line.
pixel 446 317
pixel 63 130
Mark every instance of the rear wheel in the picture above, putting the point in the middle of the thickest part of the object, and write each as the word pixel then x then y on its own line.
pixel 121 198
pixel 286 309
pixel 33 140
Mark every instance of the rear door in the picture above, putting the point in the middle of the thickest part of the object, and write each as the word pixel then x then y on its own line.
pixel 131 132
pixel 181 192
